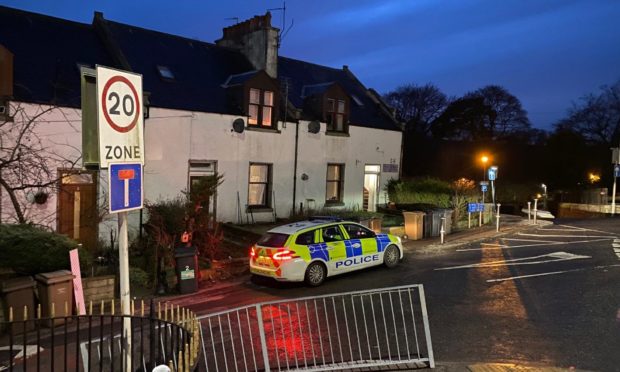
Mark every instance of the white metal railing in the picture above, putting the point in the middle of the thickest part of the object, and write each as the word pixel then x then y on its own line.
pixel 359 329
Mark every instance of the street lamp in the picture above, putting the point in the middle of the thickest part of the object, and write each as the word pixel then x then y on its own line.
pixel 544 195
pixel 484 159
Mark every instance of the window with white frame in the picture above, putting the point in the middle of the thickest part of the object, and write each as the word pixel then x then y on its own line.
pixel 202 172
pixel 335 183
pixel 336 115
pixel 259 185
pixel 260 108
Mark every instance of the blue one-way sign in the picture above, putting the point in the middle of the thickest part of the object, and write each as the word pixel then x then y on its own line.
pixel 125 187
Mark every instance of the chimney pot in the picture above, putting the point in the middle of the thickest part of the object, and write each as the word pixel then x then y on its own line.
pixel 257 40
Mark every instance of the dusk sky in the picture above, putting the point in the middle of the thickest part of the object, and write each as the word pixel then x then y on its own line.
pixel 547 53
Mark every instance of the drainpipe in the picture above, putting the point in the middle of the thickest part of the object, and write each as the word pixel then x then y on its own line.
pixel 295 166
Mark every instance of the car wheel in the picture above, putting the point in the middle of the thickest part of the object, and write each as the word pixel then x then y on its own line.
pixel 391 256
pixel 315 274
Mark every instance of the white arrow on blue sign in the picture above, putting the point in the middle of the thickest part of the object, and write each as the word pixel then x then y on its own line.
pixel 125 187
pixel 617 171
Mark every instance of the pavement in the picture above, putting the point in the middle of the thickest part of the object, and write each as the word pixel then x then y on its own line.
pixel 509 224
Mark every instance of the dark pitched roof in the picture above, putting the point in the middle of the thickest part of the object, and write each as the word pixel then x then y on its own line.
pixel 200 68
pixel 47 50
pixel 302 74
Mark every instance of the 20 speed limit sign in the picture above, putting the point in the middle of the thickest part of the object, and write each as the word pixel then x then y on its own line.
pixel 120 119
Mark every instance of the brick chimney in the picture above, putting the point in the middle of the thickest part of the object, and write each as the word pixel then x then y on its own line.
pixel 6 73
pixel 257 40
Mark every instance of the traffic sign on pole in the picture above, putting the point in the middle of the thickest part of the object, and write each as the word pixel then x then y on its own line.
pixel 617 171
pixel 492 173
pixel 119 117
pixel 125 187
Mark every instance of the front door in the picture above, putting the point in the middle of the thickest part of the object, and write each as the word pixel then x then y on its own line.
pixel 77 207
pixel 371 187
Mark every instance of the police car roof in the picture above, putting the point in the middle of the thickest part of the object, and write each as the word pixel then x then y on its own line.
pixel 294 227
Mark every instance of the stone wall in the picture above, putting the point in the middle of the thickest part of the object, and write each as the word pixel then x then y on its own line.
pixel 98 288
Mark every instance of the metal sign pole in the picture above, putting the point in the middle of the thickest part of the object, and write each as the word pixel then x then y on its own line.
pixel 613 198
pixel 535 210
pixel 529 212
pixel 497 219
pixel 124 282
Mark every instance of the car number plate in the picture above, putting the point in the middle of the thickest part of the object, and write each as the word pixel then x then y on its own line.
pixel 263 261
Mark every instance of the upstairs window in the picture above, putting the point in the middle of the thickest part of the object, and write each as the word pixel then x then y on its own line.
pixel 260 108
pixel 336 115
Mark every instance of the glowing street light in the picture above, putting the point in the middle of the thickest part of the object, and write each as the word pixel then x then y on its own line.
pixel 593 177
pixel 484 159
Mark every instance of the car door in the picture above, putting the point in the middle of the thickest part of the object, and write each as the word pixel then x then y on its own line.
pixel 361 243
pixel 334 237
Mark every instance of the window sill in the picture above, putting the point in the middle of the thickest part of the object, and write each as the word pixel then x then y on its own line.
pixel 336 134
pixel 330 203
pixel 259 210
pixel 262 129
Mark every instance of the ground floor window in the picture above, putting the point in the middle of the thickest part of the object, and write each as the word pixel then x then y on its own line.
pixel 335 183
pixel 203 179
pixel 259 187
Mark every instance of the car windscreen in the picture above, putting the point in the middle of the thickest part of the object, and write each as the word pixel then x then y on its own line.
pixel 272 240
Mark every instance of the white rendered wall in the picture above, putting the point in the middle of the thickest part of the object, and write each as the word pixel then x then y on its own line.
pixel 173 138
pixel 57 136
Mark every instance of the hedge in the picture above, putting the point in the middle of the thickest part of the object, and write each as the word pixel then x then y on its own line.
pixel 29 250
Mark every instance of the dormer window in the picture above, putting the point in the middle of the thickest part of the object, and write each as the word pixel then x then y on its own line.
pixel 336 115
pixel 260 108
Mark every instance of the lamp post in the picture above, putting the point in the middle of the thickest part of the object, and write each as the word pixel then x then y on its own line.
pixel 544 196
pixel 484 159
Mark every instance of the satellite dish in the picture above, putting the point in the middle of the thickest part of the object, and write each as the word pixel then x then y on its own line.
pixel 238 125
pixel 314 127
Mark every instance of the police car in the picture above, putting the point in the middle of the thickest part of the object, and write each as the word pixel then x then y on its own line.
pixel 312 250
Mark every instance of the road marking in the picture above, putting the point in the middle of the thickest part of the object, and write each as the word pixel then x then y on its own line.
pixel 494 244
pixel 554 257
pixel 533 245
pixel 584 229
pixel 549 273
pixel 570 230
pixel 30 350
pixel 530 240
pixel 567 236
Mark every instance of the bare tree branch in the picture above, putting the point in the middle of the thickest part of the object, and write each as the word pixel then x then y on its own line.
pixel 27 161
